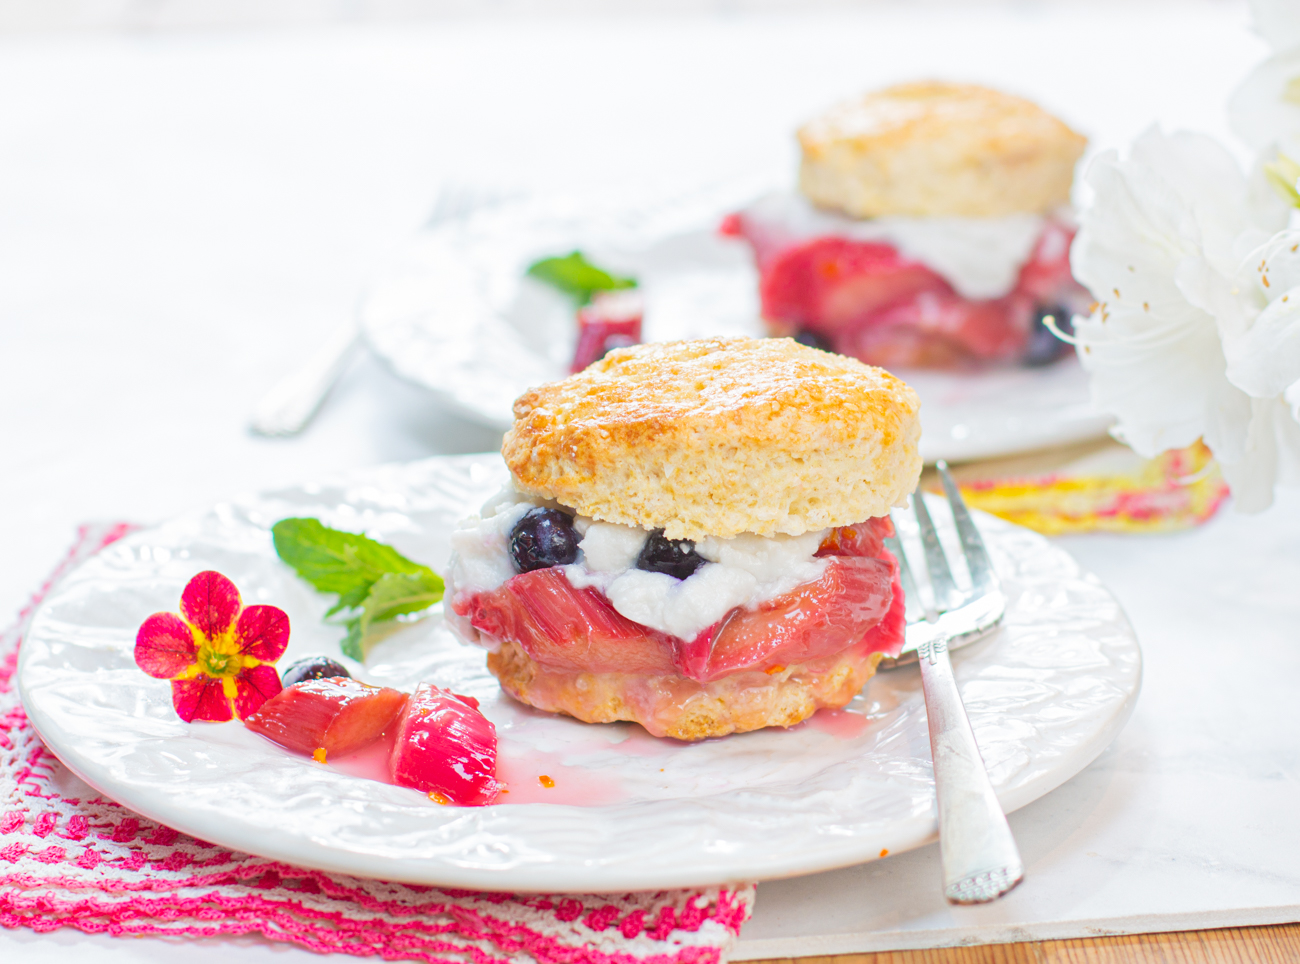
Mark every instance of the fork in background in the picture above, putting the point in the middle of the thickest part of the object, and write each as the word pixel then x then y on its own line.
pixel 980 859
pixel 294 400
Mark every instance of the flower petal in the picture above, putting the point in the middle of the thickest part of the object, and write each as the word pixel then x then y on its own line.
pixel 262 632
pixel 164 646
pixel 1259 111
pixel 1277 21
pixel 210 603
pixel 253 687
pixel 1272 455
pixel 200 698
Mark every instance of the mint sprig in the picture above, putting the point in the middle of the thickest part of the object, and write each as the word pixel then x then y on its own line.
pixel 374 582
pixel 577 277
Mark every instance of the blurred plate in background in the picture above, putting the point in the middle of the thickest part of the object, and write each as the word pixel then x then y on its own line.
pixel 458 315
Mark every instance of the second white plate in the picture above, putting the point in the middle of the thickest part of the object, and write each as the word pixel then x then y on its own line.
pixel 458 316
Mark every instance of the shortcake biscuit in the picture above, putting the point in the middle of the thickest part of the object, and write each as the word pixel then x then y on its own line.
pixel 938 149
pixel 684 708
pixel 718 437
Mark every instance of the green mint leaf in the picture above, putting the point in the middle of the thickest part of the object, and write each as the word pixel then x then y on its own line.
pixel 577 277
pixel 373 580
pixel 395 594
pixel 346 563
pixel 351 644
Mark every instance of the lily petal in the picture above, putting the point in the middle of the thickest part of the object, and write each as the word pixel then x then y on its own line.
pixel 164 646
pixel 1277 21
pixel 253 687
pixel 210 603
pixel 201 698
pixel 262 632
pixel 1272 454
pixel 1261 111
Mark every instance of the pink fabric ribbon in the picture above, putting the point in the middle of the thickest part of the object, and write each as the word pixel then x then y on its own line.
pixel 70 858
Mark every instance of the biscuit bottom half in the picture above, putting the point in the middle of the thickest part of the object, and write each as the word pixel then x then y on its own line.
pixel 687 709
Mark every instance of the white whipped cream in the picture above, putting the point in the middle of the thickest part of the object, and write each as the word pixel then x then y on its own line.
pixel 744 571
pixel 980 257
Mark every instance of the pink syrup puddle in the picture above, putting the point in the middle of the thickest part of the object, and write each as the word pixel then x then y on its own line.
pixel 521 771
pixel 841 724
pixel 370 762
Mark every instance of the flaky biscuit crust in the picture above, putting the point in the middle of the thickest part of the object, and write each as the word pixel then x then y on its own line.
pixel 937 149
pixel 720 436
pixel 683 708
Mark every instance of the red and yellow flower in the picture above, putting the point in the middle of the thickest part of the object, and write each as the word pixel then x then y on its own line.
pixel 219 654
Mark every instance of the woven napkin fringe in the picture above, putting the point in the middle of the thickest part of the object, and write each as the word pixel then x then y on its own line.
pixel 70 858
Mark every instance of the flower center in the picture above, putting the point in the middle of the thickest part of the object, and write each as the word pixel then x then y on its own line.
pixel 1291 92
pixel 216 663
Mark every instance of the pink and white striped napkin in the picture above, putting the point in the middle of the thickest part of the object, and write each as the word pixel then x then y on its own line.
pixel 70 858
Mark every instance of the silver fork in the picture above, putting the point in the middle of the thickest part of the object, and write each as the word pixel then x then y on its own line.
pixel 980 859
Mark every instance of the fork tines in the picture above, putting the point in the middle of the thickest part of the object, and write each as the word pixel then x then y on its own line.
pixel 947 596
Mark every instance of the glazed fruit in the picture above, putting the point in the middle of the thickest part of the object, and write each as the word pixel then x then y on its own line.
pixel 861 539
pixel 543 538
pixel 568 628
pixel 868 300
pixel 445 747
pixel 565 628
pixel 814 620
pixel 612 320
pixel 313 667
pixel 337 715
pixel 674 557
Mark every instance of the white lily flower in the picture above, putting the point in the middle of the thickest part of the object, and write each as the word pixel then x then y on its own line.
pixel 1174 345
pixel 1265 109
pixel 1277 21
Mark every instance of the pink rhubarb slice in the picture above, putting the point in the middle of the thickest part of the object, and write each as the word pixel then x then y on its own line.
pixel 446 746
pixel 567 628
pixel 579 630
pixel 811 621
pixel 868 300
pixel 337 715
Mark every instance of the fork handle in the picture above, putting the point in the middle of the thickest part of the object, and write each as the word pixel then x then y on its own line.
pixel 290 404
pixel 980 859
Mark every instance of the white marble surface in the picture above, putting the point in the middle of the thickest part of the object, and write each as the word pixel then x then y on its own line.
pixel 181 213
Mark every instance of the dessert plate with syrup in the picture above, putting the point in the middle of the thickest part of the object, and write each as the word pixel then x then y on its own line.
pixel 602 807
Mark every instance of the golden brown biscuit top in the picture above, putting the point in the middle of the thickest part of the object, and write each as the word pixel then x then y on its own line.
pixel 719 436
pixel 974 119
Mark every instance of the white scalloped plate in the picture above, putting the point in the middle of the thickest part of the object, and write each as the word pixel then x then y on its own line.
pixel 457 316
pixel 1046 694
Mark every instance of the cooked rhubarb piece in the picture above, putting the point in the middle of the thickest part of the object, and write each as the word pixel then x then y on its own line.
pixel 814 620
pixel 611 320
pixel 337 715
pixel 446 746
pixel 861 539
pixel 866 299
pixel 568 628
pixel 564 628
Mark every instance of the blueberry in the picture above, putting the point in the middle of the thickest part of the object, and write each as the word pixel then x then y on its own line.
pixel 676 557
pixel 543 538
pixel 1043 347
pixel 812 339
pixel 313 667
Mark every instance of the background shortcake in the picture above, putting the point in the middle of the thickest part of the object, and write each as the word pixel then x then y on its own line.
pixel 932 229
